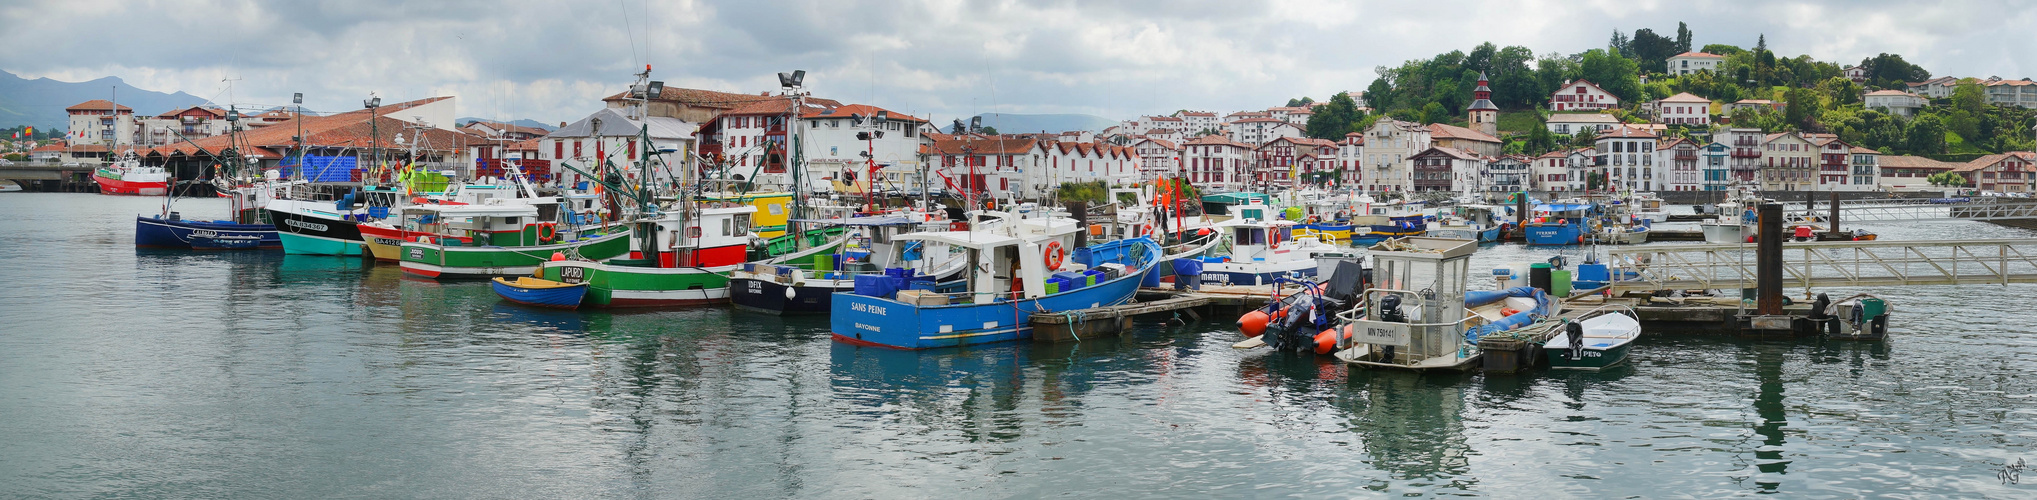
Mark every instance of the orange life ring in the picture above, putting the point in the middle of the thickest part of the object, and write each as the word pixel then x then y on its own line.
pixel 1148 230
pixel 548 231
pixel 1055 254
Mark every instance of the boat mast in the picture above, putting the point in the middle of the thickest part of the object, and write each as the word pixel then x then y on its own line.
pixel 793 85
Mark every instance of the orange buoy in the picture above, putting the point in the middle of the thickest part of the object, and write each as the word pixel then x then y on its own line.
pixel 1252 324
pixel 1508 311
pixel 1054 255
pixel 558 256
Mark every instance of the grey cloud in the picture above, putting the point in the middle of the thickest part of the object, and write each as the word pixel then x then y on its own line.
pixel 550 60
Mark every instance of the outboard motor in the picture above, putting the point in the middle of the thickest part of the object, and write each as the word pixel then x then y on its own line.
pixel 1389 311
pixel 1821 317
pixel 1574 332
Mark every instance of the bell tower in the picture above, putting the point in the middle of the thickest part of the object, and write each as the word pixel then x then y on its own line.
pixel 1484 115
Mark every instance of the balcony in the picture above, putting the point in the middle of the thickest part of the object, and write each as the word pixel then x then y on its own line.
pixel 1746 142
pixel 1746 153
pixel 1685 156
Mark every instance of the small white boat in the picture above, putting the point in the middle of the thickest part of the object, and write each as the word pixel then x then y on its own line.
pixel 1601 339
pixel 1648 205
pixel 7 186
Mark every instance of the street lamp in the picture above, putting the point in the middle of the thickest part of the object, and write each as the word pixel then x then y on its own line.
pixel 374 128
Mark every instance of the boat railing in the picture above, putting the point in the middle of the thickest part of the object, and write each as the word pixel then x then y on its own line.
pixel 1604 310
pixel 1424 340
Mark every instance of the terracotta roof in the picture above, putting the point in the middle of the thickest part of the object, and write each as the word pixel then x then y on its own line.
pixel 981 145
pixel 97 105
pixel 1698 54
pixel 1453 152
pixel 1163 118
pixel 1891 92
pixel 1198 113
pixel 1261 120
pixel 1904 161
pixel 1582 81
pixel 857 109
pixel 1554 154
pixel 1582 118
pixel 1985 161
pixel 1686 97
pixel 2013 83
pixel 524 145
pixel 1159 131
pixel 1215 140
pixel 1861 150
pixel 209 110
pixel 1671 144
pixel 344 130
pixel 1160 142
pixel 1441 131
pixel 1626 132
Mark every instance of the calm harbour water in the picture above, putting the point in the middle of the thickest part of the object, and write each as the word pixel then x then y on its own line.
pixel 128 372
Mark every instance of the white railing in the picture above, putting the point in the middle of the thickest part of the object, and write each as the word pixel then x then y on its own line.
pixel 1827 264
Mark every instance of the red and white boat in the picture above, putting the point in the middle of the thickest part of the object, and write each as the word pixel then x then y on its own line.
pixel 129 177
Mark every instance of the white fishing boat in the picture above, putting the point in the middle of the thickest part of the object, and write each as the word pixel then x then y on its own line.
pixel 1600 338
pixel 1264 248
pixel 1648 205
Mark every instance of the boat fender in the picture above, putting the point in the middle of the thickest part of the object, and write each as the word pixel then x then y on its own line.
pixel 1055 254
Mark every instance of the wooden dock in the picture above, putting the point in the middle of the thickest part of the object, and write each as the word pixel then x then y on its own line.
pixel 1211 300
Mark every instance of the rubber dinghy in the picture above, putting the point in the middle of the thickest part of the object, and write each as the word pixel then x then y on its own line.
pixel 1538 305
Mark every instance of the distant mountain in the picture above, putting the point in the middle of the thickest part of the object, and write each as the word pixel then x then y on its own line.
pixel 41 102
pixel 1020 124
pixel 521 121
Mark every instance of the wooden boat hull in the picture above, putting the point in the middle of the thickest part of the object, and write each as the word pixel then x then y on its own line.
pixel 614 285
pixel 540 293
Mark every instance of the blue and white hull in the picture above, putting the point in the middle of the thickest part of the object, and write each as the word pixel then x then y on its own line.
pixel 1554 234
pixel 880 321
pixel 157 232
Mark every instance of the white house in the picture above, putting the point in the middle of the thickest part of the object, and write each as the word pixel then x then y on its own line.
pixel 1256 131
pixel 1216 161
pixel 1157 158
pixel 1571 123
pixel 1388 145
pixel 1507 174
pixel 1551 172
pixel 611 135
pixel 1582 95
pixel 1626 157
pixel 836 140
pixel 102 123
pixel 1935 88
pixel 2011 92
pixel 1678 166
pixel 1684 109
pixel 1197 121
pixel 1692 62
pixel 1895 102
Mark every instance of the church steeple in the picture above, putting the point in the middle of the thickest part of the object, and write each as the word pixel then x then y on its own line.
pixel 1484 115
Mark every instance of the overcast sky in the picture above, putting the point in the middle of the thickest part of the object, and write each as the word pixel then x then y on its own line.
pixel 552 61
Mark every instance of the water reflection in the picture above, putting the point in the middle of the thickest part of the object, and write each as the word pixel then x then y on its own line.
pixel 1413 426
pixel 1774 420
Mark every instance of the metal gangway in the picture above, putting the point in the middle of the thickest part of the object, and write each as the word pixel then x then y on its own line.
pixel 1870 211
pixel 1828 264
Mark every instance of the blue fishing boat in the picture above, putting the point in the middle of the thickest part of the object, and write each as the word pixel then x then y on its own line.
pixel 536 292
pixel 1014 277
pixel 1558 224
pixel 157 231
